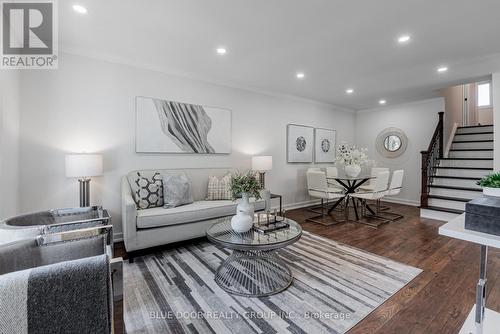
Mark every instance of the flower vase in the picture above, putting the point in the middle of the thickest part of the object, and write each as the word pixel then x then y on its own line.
pixel 352 170
pixel 488 191
pixel 243 221
pixel 244 206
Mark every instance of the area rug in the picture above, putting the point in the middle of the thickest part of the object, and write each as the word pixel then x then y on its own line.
pixel 335 286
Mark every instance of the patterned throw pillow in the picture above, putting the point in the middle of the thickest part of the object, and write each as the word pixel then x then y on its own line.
pixel 147 192
pixel 177 190
pixel 219 189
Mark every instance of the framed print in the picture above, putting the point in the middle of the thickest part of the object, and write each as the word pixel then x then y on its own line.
pixel 300 142
pixel 324 145
pixel 164 126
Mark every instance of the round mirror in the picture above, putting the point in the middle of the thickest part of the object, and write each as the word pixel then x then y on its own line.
pixel 392 143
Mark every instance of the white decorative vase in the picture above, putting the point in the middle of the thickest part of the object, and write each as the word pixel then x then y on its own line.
pixel 244 206
pixel 352 170
pixel 241 223
pixel 491 191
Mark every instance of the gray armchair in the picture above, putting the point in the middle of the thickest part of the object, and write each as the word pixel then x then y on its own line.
pixel 60 283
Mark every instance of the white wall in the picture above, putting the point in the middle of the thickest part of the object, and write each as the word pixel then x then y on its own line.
pixel 88 105
pixel 418 120
pixel 496 119
pixel 9 140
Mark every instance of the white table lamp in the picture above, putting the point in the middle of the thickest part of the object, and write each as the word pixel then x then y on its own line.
pixel 83 167
pixel 262 164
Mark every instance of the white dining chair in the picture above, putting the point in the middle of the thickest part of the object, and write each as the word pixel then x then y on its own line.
pixel 331 173
pixel 380 189
pixel 370 185
pixel 317 187
pixel 394 189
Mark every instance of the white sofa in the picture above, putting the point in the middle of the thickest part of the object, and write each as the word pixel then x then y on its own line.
pixel 158 226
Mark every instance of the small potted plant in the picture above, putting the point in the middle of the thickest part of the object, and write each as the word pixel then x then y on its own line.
pixel 245 185
pixel 490 184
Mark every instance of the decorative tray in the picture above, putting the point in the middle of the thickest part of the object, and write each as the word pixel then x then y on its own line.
pixel 267 223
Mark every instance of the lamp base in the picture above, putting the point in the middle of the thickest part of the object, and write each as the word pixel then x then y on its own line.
pixel 262 179
pixel 84 192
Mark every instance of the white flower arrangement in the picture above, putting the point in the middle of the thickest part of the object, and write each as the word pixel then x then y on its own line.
pixel 350 155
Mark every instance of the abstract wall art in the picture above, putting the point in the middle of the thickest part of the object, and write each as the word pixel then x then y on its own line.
pixel 164 126
pixel 324 145
pixel 300 142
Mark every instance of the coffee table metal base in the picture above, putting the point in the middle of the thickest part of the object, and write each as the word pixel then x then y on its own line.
pixel 254 274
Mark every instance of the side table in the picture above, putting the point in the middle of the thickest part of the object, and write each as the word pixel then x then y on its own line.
pixel 480 320
pixel 281 201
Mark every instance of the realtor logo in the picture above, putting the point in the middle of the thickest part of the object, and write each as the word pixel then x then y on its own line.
pixel 29 35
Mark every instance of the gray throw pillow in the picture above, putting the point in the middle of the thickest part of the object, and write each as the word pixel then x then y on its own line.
pixel 177 190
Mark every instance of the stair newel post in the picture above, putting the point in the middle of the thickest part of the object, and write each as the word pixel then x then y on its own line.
pixel 441 134
pixel 424 194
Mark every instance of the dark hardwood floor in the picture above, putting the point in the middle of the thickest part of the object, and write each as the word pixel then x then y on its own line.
pixel 440 298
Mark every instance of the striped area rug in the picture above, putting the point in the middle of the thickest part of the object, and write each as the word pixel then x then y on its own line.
pixel 335 286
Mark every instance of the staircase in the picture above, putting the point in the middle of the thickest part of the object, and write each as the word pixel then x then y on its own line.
pixel 451 181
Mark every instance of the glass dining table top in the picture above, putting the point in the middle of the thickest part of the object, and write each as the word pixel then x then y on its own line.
pixel 350 178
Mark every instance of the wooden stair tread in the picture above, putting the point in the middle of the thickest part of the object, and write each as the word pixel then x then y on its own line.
pixel 472 168
pixel 474 133
pixel 466 159
pixel 456 188
pixel 474 126
pixel 438 208
pixel 456 177
pixel 448 198
pixel 471 149
pixel 472 141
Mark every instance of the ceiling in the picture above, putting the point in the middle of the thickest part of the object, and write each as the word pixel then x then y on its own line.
pixel 338 44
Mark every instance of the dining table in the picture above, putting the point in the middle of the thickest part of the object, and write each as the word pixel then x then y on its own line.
pixel 350 185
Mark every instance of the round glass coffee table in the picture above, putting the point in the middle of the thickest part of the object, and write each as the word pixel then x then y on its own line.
pixel 254 269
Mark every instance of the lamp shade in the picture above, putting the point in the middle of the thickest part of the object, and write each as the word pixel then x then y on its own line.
pixel 83 165
pixel 262 162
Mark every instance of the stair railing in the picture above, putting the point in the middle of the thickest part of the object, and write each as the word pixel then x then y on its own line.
pixel 430 159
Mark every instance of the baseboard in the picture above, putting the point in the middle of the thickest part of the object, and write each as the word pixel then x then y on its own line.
pixel 437 215
pixel 118 237
pixel 404 201
pixel 299 205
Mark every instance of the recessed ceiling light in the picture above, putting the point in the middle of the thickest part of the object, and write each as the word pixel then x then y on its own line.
pixel 300 75
pixel 349 91
pixel 442 69
pixel 382 102
pixel 221 51
pixel 404 39
pixel 80 9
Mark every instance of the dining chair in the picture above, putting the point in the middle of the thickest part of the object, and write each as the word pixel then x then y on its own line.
pixel 317 208
pixel 317 187
pixel 394 189
pixel 370 185
pixel 332 172
pixel 380 189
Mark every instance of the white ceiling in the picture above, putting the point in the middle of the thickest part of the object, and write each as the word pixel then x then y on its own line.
pixel 336 43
